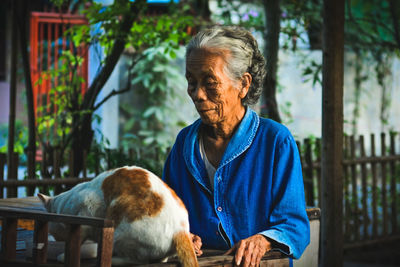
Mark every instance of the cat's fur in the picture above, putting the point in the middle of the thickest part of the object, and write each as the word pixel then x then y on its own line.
pixel 151 222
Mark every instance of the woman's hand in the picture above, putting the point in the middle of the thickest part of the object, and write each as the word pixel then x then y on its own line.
pixel 249 251
pixel 197 244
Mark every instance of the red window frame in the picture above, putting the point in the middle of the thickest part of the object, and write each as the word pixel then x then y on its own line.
pixel 48 28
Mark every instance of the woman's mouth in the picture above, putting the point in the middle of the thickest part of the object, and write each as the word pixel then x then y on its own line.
pixel 203 110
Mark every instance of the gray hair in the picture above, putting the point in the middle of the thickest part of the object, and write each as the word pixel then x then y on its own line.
pixel 244 55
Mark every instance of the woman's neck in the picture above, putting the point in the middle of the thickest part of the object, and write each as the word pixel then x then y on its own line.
pixel 225 129
pixel 216 138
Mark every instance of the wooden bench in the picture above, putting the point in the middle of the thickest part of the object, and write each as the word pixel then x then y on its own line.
pixel 12 210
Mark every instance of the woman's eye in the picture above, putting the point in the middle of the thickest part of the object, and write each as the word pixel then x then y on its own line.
pixel 211 84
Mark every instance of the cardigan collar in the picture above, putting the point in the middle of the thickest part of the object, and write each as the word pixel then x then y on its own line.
pixel 240 141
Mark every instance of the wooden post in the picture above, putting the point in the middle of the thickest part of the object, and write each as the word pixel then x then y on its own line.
pixel 346 191
pixel 13 96
pixel 393 184
pixel 28 82
pixel 364 191
pixel 12 174
pixel 318 149
pixel 383 189
pixel 73 246
pixel 9 239
pixel 57 169
pixel 374 190
pixel 332 134
pixel 309 173
pixel 40 243
pixel 354 196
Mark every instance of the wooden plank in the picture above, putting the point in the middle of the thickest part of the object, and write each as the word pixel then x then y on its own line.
pixel 309 173
pixel 332 134
pixel 318 168
pixel 26 202
pixel 346 191
pixel 40 242
pixel 393 191
pixel 383 188
pixel 354 195
pixel 62 218
pixel 9 238
pixel 271 258
pixel 374 159
pixel 73 246
pixel 105 247
pixel 364 191
pixel 374 191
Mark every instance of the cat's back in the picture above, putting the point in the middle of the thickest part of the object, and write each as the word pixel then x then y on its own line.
pixel 135 193
pixel 146 212
pixel 83 199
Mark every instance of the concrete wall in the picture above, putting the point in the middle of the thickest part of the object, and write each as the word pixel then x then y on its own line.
pixel 305 99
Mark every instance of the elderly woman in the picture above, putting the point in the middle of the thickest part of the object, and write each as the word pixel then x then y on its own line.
pixel 239 175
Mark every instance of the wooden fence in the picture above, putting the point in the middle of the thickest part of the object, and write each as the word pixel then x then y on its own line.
pixel 371 183
pixel 371 202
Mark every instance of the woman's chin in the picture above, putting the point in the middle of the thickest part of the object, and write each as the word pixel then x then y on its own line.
pixel 208 120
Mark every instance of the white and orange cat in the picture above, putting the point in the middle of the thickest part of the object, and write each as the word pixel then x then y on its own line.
pixel 151 222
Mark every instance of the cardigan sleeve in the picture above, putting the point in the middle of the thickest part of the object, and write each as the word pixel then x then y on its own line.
pixel 288 222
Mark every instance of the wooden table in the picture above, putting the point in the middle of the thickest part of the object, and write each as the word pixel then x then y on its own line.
pixel 33 204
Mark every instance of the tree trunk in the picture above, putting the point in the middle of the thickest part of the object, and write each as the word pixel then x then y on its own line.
pixel 83 134
pixel 332 135
pixel 81 142
pixel 203 9
pixel 28 83
pixel 11 164
pixel 272 13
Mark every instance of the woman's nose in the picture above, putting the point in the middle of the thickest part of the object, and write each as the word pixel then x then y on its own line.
pixel 198 93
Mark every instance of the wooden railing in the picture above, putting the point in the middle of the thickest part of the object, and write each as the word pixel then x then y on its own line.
pixel 10 217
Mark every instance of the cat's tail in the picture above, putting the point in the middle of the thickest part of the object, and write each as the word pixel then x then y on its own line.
pixel 185 250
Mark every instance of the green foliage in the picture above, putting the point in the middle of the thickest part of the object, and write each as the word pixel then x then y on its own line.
pixel 20 139
pixel 146 30
pixel 152 124
pixel 64 102
pixel 61 118
pixel 249 15
pixel 313 73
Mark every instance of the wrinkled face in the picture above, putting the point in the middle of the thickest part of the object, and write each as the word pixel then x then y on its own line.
pixel 216 97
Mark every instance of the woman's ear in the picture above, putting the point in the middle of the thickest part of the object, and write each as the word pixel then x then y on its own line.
pixel 245 84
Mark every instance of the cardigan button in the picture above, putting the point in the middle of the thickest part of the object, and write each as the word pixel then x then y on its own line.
pixel 219 209
pixel 219 179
